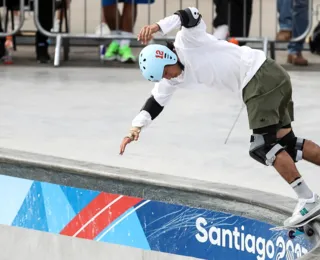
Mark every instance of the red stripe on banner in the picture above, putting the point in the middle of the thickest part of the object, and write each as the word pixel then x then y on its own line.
pixel 87 213
pixel 107 216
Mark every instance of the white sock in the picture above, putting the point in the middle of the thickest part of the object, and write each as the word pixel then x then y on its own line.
pixel 115 32
pixel 56 25
pixel 16 21
pixel 302 189
pixel 125 42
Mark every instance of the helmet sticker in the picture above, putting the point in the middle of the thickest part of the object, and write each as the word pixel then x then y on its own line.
pixel 159 54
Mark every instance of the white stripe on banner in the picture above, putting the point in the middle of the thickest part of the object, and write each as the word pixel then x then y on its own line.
pixel 126 215
pixel 99 213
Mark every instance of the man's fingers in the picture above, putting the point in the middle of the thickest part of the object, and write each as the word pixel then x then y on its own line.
pixel 146 35
pixel 122 148
pixel 133 136
pixel 140 35
pixel 149 34
pixel 136 137
pixel 124 143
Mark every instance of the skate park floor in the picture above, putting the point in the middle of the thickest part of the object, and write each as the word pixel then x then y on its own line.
pixel 83 113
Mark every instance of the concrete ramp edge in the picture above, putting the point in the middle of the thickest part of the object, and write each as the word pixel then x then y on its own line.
pixel 250 203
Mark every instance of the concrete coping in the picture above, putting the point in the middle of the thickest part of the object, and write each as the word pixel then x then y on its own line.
pixel 273 202
pixel 13 161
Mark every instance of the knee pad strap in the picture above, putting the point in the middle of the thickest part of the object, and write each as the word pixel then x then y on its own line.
pixel 293 145
pixel 264 148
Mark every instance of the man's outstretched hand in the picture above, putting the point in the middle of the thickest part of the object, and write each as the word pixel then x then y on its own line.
pixel 146 33
pixel 124 143
pixel 133 136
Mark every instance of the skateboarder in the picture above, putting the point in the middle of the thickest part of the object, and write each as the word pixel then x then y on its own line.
pixel 198 58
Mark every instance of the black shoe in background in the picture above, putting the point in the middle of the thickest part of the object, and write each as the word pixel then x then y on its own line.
pixel 2 48
pixel 43 54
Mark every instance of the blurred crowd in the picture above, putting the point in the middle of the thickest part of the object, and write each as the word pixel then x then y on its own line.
pixel 292 17
pixel 232 19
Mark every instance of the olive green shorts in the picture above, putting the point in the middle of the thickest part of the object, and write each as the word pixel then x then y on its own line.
pixel 268 97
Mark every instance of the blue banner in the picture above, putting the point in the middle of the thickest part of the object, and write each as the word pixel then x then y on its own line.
pixel 135 222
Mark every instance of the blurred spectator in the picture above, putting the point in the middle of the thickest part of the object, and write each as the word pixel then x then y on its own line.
pixel 45 18
pixel 284 8
pixel 102 28
pixel 231 17
pixel 60 14
pixel 293 22
pixel 46 21
pixel 314 40
pixel 16 18
pixel 2 41
pixel 120 49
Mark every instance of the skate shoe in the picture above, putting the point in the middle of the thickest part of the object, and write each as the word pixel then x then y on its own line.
pixel 125 55
pixel 305 208
pixel 112 51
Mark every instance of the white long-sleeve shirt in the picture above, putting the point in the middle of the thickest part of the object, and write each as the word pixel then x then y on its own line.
pixel 207 61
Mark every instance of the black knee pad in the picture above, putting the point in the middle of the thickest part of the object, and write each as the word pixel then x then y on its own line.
pixel 293 145
pixel 264 148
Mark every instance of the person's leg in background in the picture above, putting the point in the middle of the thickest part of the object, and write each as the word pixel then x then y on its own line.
pixel 299 25
pixel 46 21
pixel 240 20
pixel 16 19
pixel 60 16
pixel 221 21
pixel 233 18
pixel 2 41
pixel 284 8
pixel 120 49
pixel 102 28
pixel 10 5
pixel 112 18
pixel 128 20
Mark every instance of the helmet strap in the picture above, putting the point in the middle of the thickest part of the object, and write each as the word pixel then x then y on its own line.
pixel 180 65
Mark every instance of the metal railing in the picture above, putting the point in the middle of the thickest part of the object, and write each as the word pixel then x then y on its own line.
pixel 3 17
pixel 60 36
pixel 266 43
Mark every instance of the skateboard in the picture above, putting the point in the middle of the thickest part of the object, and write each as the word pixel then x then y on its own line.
pixel 301 228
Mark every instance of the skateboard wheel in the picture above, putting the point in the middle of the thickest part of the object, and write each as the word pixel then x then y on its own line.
pixel 309 232
pixel 291 234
